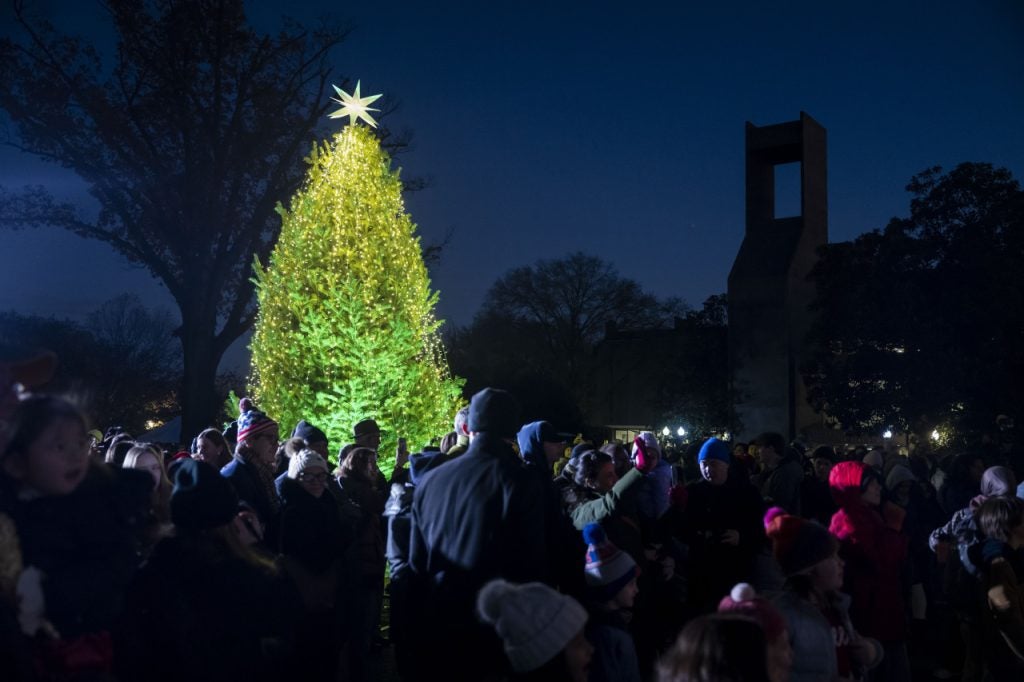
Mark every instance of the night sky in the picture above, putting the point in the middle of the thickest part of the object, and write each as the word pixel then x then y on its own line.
pixel 615 128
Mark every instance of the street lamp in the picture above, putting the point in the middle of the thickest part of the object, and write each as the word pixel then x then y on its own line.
pixel 887 434
pixel 681 431
pixel 936 435
pixel 665 431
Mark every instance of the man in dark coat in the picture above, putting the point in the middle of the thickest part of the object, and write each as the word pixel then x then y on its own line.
pixel 783 473
pixel 723 528
pixel 474 519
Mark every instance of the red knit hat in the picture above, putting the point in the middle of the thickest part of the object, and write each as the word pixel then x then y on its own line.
pixel 798 544
pixel 743 599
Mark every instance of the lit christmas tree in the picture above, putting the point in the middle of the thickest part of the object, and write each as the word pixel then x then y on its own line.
pixel 346 327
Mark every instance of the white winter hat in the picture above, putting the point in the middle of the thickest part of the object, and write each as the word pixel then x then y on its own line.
pixel 304 459
pixel 534 621
pixel 650 441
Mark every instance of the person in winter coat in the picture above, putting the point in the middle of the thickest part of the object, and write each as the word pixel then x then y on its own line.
pixel 75 525
pixel 314 541
pixel 653 498
pixel 540 447
pixel 962 482
pixel 398 512
pixel 826 646
pixel 874 552
pixel 541 631
pixel 1001 519
pixel 359 479
pixel 596 495
pixel 473 519
pixel 205 606
pixel 782 473
pixel 962 531
pixel 815 496
pixel 611 591
pixel 251 470
pixel 722 527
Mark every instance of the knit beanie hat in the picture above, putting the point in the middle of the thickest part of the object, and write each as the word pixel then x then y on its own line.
pixel 714 448
pixel 608 569
pixel 998 481
pixel 534 621
pixel 201 497
pixel 305 459
pixel 251 421
pixel 744 600
pixel 874 459
pixel 496 411
pixel 900 473
pixel 798 544
pixel 649 442
pixel 309 433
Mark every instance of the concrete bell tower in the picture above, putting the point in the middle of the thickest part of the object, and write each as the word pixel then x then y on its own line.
pixel 768 287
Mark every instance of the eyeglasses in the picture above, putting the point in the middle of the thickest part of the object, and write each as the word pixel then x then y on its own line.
pixel 309 478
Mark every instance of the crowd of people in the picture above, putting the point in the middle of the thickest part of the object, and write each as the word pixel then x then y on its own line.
pixel 509 552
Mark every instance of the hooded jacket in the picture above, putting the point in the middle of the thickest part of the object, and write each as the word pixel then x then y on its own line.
pixel 531 448
pixel 874 551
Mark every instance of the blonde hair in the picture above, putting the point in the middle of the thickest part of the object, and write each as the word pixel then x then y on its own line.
pixel 162 492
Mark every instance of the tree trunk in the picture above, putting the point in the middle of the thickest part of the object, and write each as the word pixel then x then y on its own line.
pixel 199 400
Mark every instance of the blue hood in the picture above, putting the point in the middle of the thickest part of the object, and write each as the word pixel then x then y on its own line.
pixel 531 447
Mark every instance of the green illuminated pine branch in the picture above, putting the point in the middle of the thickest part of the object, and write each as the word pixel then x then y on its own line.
pixel 346 327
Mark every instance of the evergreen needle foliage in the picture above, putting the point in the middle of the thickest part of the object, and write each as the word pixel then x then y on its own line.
pixel 345 328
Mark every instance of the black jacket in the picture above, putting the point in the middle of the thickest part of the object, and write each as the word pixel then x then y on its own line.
pixel 84 543
pixel 312 531
pixel 480 516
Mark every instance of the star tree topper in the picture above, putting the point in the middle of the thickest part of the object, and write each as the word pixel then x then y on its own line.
pixel 354 106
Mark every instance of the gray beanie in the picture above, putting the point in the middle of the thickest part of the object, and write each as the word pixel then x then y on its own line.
pixel 534 621
pixel 998 481
pixel 900 473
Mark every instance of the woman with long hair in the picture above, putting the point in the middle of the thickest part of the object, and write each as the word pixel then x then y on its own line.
pixel 211 447
pixel 150 459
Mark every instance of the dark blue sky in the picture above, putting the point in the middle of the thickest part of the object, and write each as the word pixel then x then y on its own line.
pixel 617 128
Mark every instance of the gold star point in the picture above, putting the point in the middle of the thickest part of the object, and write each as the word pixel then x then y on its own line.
pixel 354 106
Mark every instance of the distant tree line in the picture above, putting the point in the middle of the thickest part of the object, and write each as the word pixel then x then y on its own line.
pixel 540 327
pixel 122 362
pixel 920 326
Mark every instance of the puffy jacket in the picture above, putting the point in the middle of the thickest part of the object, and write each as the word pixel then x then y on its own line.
pixel 874 551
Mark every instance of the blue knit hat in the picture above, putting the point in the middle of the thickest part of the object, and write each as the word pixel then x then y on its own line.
pixel 309 433
pixel 714 448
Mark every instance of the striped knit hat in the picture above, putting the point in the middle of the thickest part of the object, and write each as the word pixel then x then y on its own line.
pixel 251 421
pixel 608 568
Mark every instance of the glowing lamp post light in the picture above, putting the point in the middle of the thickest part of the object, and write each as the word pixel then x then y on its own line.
pixel 888 434
pixel 681 431
pixel 665 432
pixel 936 435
